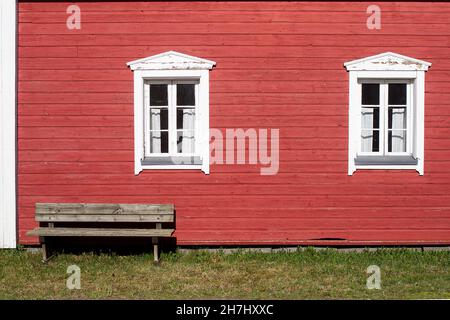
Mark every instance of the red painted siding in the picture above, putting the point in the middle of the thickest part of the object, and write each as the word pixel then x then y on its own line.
pixel 279 65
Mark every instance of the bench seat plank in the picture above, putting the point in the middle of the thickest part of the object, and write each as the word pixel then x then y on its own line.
pixel 99 232
pixel 44 217
pixel 104 208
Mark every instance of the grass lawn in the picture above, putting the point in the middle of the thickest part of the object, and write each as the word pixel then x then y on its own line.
pixel 307 274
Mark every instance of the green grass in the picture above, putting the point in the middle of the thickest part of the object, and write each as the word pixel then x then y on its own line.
pixel 308 274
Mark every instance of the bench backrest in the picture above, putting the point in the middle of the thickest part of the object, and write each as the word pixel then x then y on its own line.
pixel 99 212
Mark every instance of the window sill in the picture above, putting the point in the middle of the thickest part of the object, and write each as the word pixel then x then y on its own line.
pixel 386 163
pixel 406 160
pixel 172 161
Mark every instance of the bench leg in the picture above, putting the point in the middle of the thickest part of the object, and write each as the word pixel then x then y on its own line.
pixel 155 250
pixel 45 251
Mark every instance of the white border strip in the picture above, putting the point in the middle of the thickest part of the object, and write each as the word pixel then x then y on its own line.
pixel 8 236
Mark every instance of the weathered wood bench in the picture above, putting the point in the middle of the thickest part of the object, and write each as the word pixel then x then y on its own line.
pixel 64 220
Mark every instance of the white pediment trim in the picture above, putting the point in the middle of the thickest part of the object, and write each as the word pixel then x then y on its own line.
pixel 171 60
pixel 387 61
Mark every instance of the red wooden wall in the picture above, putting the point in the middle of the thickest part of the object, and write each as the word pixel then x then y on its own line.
pixel 279 65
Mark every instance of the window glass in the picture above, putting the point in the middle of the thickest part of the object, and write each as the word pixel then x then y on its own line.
pixel 397 118
pixel 159 135
pixel 370 140
pixel 370 129
pixel 158 95
pixel 185 141
pixel 186 94
pixel 185 118
pixel 397 94
pixel 159 119
pixel 159 142
pixel 185 130
pixel 370 94
pixel 397 141
pixel 370 118
pixel 397 129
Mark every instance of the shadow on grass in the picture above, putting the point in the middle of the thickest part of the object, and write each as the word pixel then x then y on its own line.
pixel 122 246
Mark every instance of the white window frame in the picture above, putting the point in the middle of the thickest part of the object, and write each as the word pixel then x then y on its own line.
pixel 387 67
pixel 166 67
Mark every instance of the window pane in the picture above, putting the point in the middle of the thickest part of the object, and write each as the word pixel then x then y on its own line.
pixel 159 119
pixel 397 94
pixel 158 95
pixel 159 142
pixel 186 94
pixel 370 118
pixel 185 119
pixel 185 141
pixel 397 118
pixel 370 141
pixel 397 141
pixel 370 93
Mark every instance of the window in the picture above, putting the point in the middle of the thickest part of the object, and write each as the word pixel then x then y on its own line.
pixel 386 114
pixel 171 112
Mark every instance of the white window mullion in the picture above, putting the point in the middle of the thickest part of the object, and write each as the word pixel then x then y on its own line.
pixel 384 114
pixel 172 118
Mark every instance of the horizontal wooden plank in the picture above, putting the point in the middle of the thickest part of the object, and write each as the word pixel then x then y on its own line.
pixel 76 143
pixel 110 109
pixel 217 75
pixel 231 39
pixel 224 63
pixel 319 213
pixel 176 178
pixel 104 208
pixel 300 224
pixel 77 132
pixel 239 16
pixel 240 6
pixel 234 27
pixel 210 190
pixel 69 121
pixel 287 242
pixel 276 202
pixel 100 232
pixel 94 217
pixel 291 236
pixel 222 51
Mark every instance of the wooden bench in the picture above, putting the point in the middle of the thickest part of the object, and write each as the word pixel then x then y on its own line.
pixel 65 219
